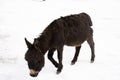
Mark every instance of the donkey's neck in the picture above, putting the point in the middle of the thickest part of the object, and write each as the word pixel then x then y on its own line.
pixel 43 43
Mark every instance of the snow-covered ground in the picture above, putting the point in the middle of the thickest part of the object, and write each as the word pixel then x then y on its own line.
pixel 28 18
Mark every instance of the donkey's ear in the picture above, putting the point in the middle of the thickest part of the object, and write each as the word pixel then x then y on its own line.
pixel 29 45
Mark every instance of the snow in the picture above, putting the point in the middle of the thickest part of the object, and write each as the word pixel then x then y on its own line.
pixel 28 18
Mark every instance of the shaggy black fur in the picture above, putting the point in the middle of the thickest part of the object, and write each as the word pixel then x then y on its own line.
pixel 70 30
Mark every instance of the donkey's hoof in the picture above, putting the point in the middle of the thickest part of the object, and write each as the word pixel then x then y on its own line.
pixel 58 72
pixel 92 61
pixel 72 63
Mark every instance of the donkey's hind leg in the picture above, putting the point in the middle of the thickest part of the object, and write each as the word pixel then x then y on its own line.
pixel 91 44
pixel 76 55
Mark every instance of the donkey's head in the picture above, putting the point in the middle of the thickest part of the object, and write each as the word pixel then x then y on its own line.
pixel 34 57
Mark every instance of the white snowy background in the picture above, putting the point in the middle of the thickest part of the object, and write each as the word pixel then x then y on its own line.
pixel 28 18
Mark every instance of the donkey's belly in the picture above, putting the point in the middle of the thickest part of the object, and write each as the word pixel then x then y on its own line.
pixel 74 40
pixel 74 44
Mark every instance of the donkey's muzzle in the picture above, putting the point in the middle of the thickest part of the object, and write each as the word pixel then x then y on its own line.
pixel 33 73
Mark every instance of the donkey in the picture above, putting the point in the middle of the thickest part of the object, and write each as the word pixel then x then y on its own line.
pixel 70 30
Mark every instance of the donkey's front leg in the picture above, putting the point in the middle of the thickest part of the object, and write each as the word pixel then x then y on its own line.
pixel 60 66
pixel 50 57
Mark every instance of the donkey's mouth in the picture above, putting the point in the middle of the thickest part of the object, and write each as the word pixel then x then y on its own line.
pixel 33 73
